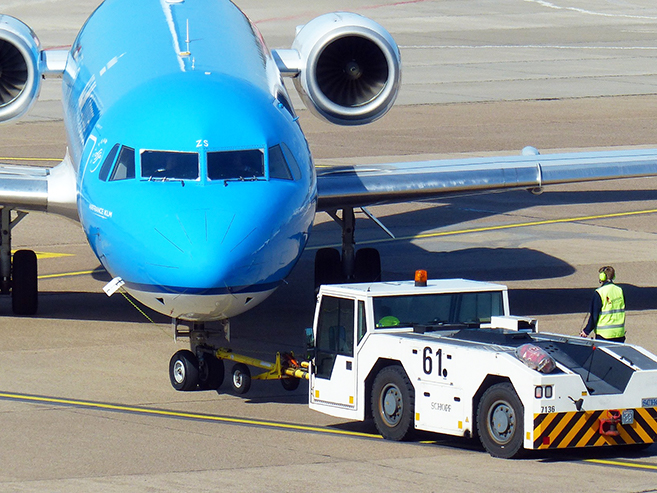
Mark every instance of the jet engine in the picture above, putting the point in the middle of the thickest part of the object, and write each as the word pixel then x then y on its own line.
pixel 20 72
pixel 350 68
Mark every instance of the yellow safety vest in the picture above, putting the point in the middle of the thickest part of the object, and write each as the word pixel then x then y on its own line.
pixel 611 323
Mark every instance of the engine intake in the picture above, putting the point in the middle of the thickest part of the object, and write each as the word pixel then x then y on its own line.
pixel 350 68
pixel 20 72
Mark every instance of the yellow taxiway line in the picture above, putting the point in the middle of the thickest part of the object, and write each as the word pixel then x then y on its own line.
pixel 146 411
pixel 177 414
pixel 618 463
pixel 67 274
pixel 543 222
pixel 422 236
pixel 45 255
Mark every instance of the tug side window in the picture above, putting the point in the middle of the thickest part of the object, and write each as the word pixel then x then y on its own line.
pixel 335 333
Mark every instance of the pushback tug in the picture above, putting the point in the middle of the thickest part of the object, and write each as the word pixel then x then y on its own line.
pixel 446 356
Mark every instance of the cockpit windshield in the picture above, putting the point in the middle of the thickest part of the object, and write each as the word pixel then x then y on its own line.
pixel 236 165
pixel 166 165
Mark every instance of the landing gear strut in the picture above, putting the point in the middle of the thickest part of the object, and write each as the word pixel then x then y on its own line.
pixel 19 279
pixel 350 265
pixel 198 368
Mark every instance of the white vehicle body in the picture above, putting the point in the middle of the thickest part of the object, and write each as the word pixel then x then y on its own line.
pixel 456 371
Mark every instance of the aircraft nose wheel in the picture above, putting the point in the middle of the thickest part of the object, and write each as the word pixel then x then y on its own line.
pixel 183 370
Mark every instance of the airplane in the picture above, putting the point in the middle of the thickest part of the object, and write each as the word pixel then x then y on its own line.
pixel 189 172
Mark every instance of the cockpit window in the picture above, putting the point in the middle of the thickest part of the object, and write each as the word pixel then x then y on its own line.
pixel 107 164
pixel 278 167
pixel 169 165
pixel 125 165
pixel 294 165
pixel 236 165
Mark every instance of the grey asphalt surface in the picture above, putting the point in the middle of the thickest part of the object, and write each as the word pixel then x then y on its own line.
pixel 480 77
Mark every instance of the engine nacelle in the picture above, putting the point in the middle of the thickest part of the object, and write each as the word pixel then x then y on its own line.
pixel 20 68
pixel 350 68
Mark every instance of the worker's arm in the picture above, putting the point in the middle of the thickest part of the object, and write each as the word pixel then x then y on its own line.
pixel 594 315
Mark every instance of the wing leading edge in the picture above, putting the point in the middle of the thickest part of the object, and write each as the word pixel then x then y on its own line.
pixel 356 186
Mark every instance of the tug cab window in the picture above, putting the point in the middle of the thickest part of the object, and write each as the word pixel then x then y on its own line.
pixel 236 165
pixel 165 165
pixel 335 333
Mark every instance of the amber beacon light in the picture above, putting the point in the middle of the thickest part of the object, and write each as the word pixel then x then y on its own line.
pixel 420 277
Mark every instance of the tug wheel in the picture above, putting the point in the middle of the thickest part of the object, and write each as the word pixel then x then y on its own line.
pixel 393 403
pixel 241 378
pixel 500 421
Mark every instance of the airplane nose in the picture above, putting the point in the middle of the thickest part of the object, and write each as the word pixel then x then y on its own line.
pixel 201 248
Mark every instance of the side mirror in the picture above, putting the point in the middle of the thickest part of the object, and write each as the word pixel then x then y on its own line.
pixel 310 343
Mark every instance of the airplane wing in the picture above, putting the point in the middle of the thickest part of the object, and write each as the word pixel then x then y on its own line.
pixel 32 188
pixel 359 186
pixel 24 187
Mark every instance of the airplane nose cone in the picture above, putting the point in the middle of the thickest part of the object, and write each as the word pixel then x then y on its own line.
pixel 200 248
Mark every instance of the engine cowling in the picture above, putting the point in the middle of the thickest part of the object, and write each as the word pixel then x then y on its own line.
pixel 20 71
pixel 350 69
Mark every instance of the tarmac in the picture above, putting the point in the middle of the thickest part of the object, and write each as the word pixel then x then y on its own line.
pixel 85 398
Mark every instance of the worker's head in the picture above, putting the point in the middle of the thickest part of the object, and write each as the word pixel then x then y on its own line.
pixel 606 273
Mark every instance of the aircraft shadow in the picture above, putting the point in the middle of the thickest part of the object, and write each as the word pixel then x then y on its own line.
pixel 454 210
pixel 75 305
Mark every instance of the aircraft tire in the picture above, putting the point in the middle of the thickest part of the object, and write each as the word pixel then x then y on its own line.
pixel 25 291
pixel 328 267
pixel 393 403
pixel 241 378
pixel 183 370
pixel 368 265
pixel 211 372
pixel 500 421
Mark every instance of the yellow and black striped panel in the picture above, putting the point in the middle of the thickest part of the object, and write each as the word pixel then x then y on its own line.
pixel 582 429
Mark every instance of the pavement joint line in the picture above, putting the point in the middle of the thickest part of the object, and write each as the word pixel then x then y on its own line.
pixel 50 159
pixel 147 411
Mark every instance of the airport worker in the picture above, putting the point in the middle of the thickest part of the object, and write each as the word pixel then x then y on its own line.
pixel 607 316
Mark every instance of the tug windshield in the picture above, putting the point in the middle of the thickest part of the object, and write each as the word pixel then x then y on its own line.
pixel 436 310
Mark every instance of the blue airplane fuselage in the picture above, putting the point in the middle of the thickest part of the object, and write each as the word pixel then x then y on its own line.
pixel 196 184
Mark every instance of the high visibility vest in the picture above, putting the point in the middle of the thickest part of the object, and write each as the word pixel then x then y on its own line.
pixel 611 323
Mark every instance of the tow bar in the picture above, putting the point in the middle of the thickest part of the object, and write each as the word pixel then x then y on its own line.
pixel 287 369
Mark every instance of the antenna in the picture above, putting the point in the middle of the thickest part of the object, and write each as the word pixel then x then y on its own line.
pixel 187 40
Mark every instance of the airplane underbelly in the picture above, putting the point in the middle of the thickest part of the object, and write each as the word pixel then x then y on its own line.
pixel 202 307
